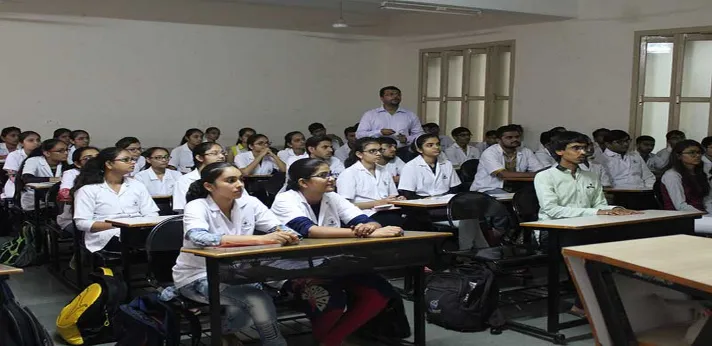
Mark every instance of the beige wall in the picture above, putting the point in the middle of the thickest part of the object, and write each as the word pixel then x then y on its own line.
pixel 154 80
pixel 574 73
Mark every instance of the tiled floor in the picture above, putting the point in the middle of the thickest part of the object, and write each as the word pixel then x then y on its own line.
pixel 45 296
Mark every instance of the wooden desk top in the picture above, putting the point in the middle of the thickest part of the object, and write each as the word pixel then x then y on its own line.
pixel 442 201
pixel 519 179
pixel 681 259
pixel 7 270
pixel 41 186
pixel 614 190
pixel 307 244
pixel 162 196
pixel 138 222
pixel 584 222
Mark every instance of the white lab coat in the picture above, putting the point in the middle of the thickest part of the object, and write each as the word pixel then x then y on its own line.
pixel 342 153
pixel 247 215
pixel 181 188
pixel 12 163
pixel 182 158
pixel 68 177
pixel 629 172
pixel 285 154
pixel 358 185
pixel 417 176
pixel 38 167
pixel 98 202
pixel 395 166
pixel 492 161
pixel 265 167
pixel 455 154
pixel 333 211
pixel 158 187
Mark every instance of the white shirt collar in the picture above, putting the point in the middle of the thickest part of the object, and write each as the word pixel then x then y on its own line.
pixel 383 109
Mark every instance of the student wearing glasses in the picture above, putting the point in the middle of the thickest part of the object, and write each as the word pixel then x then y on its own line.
pixel 77 139
pixel 182 156
pixel 159 180
pixel 260 160
pixel 102 191
pixel 81 156
pixel 367 184
pixel 44 164
pixel 314 210
pixel 461 150
pixel 203 155
pixel 133 146
pixel 626 168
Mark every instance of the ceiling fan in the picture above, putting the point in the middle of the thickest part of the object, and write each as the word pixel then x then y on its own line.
pixel 341 22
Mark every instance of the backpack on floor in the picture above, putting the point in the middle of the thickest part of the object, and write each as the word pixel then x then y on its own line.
pixel 18 325
pixel 20 251
pixel 462 299
pixel 148 321
pixel 88 319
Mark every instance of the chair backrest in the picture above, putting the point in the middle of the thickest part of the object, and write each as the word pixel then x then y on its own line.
pixel 473 205
pixel 526 204
pixel 468 170
pixel 275 183
pixel 53 206
pixel 162 249
pixel 658 194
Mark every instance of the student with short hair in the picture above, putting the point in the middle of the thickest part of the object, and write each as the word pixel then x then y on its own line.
pixel 182 157
pixel 62 134
pixel 203 155
pixel 428 174
pixel 133 146
pixel 294 145
pixel 44 164
pixel 218 213
pixel 598 169
pixel 314 210
pixel 434 128
pixel 390 119
pixel 342 153
pixel 507 159
pixel 29 141
pixel 599 144
pixel 393 164
pixel 260 160
pixel 102 191
pixel 461 150
pixel 10 141
pixel 241 145
pixel 320 147
pixel 645 145
pixel 212 134
pixel 661 158
pixel 627 169
pixel 318 129
pixel 81 157
pixel 77 139
pixel 159 180
pixel 489 140
pixel 543 154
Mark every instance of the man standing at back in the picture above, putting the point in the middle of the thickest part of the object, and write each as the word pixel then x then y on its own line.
pixel 390 120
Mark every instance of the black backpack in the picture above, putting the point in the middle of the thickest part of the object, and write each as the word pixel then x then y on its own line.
pixel 20 251
pixel 18 325
pixel 148 321
pixel 464 299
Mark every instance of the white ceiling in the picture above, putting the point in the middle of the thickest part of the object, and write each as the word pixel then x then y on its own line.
pixel 365 16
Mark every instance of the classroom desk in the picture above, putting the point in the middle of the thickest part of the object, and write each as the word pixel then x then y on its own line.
pixel 620 283
pixel 414 250
pixel 524 179
pixel 636 199
pixel 442 201
pixel 133 235
pixel 6 270
pixel 591 230
pixel 39 214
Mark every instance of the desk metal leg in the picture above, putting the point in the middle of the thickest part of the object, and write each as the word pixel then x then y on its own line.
pixel 41 241
pixel 212 267
pixel 552 318
pixel 418 305
pixel 126 261
pixel 615 317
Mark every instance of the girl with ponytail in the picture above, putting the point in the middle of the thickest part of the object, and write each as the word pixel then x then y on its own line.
pixel 218 214
pixel 79 157
pixel 44 164
pixel 182 156
pixel 102 191
pixel 203 155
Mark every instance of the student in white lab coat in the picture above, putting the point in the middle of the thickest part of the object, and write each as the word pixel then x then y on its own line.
pixel 218 214
pixel 212 134
pixel 367 184
pixel 62 134
pixel 29 140
pixel 311 208
pixel 659 162
pixel 599 144
pixel 155 175
pixel 393 164
pixel 461 150
pixel 342 153
pixel 204 154
pixel 428 174
pixel 260 160
pixel 44 164
pixel 10 141
pixel 133 146
pixel 627 169
pixel 77 139
pixel 103 191
pixel 434 129
pixel 182 156
pixel 81 156
pixel 294 145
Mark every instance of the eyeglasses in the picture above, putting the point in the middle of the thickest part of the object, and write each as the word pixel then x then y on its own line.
pixel 86 158
pixel 61 151
pixel 578 148
pixel 692 153
pixel 133 150
pixel 215 153
pixel 160 158
pixel 374 151
pixel 262 143
pixel 126 160
pixel 325 175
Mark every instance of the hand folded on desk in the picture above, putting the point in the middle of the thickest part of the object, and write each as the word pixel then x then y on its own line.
pixel 387 232
pixel 618 211
pixel 284 238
